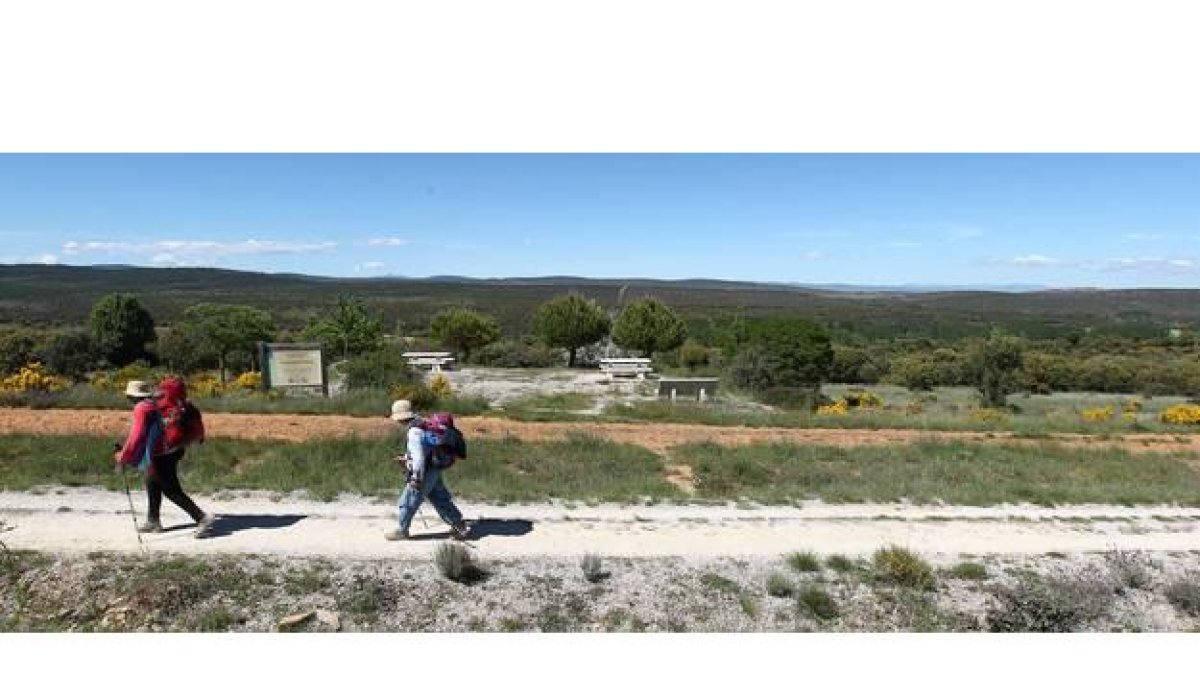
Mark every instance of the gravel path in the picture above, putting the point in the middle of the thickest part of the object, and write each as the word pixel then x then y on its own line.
pixel 78 520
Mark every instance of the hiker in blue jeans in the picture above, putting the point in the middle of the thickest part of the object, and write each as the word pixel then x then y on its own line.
pixel 423 480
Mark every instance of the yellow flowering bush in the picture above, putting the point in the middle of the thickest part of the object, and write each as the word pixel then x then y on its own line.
pixel 1097 414
pixel 988 415
pixel 205 386
pixel 439 384
pixel 249 381
pixel 419 395
pixel 834 409
pixel 1132 406
pixel 857 398
pixel 34 378
pixel 1184 413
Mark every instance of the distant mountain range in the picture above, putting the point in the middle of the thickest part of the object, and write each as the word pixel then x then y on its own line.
pixel 63 295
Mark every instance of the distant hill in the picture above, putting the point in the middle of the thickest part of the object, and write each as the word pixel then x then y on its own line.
pixel 63 295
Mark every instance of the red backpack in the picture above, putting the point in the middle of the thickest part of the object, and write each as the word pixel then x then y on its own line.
pixel 443 441
pixel 182 422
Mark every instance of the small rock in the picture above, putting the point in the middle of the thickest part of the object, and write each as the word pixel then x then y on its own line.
pixel 331 619
pixel 292 621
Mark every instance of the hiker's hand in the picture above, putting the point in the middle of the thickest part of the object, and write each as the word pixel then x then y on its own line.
pixel 415 483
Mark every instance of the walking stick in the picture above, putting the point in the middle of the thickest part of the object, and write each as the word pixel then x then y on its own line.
pixel 129 496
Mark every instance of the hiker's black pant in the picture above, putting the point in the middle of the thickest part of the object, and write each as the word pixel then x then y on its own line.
pixel 164 480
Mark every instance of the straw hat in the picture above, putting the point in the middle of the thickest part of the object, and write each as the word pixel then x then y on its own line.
pixel 402 411
pixel 138 389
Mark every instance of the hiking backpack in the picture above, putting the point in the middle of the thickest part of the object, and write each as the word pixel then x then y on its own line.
pixel 182 422
pixel 443 441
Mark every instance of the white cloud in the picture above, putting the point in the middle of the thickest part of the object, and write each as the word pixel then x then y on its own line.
pixel 44 259
pixel 389 241
pixel 190 252
pixel 1147 264
pixel 1034 260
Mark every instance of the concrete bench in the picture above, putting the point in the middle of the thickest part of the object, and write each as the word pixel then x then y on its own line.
pixel 435 361
pixel 626 366
pixel 694 388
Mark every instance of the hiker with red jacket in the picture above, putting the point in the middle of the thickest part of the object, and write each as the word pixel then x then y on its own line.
pixel 164 424
pixel 426 459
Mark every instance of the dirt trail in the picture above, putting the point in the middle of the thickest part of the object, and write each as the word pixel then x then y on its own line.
pixel 81 520
pixel 655 436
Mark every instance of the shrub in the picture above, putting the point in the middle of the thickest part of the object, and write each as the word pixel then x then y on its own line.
pixel 524 353
pixel 839 563
pixel 902 567
pixel 421 396
pixel 72 355
pixel 205 386
pixel 1097 414
pixel 249 381
pixel 838 409
pixel 381 369
pixel 1183 413
pixel 719 583
pixel 34 378
pixel 440 387
pixel 779 586
pixel 969 570
pixel 1040 604
pixel 988 415
pixel 1131 569
pixel 817 602
pixel 454 563
pixel 593 568
pixel 804 561
pixel 856 398
pixel 1184 594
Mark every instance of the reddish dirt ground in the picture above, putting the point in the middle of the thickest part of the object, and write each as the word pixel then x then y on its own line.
pixel 650 435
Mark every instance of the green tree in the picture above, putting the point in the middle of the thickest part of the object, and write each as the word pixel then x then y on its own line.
pixel 71 354
pixel 914 371
pixel 784 353
pixel 349 329
pixel 184 350
pixel 571 321
pixel 464 330
pixel 228 328
pixel 995 364
pixel 17 349
pixel 693 355
pixel 121 328
pixel 648 326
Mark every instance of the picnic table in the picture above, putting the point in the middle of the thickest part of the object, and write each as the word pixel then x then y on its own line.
pixel 626 366
pixel 698 388
pixel 435 361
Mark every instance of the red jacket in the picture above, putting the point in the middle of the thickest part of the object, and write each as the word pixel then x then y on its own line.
pixel 131 450
pixel 171 402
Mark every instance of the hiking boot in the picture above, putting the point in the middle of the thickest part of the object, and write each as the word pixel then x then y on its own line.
pixel 397 535
pixel 203 526
pixel 150 527
pixel 460 531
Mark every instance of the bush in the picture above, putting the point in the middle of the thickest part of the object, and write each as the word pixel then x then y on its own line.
pixel 440 387
pixel 840 563
pixel 1131 569
pixel 779 586
pixel 969 570
pixel 1097 414
pixel 1037 604
pixel 33 378
pixel 421 396
pixel 249 381
pixel 817 602
pixel 1184 413
pixel 1184 594
pixel 519 354
pixel 382 369
pixel 593 568
pixel 72 355
pixel 454 563
pixel 804 561
pixel 902 567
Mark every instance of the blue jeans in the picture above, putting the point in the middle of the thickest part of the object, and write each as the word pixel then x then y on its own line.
pixel 435 489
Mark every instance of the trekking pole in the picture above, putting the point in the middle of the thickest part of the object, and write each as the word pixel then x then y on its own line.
pixel 132 511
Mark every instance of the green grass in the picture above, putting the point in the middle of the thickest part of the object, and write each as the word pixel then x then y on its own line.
pixel 548 405
pixel 818 603
pixel 779 586
pixel 901 567
pixel 970 571
pixel 804 561
pixel 958 472
pixel 579 467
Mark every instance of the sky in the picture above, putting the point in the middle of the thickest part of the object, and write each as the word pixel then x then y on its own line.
pixel 1114 221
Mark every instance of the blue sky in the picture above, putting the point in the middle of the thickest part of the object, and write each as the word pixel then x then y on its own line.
pixel 1056 220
